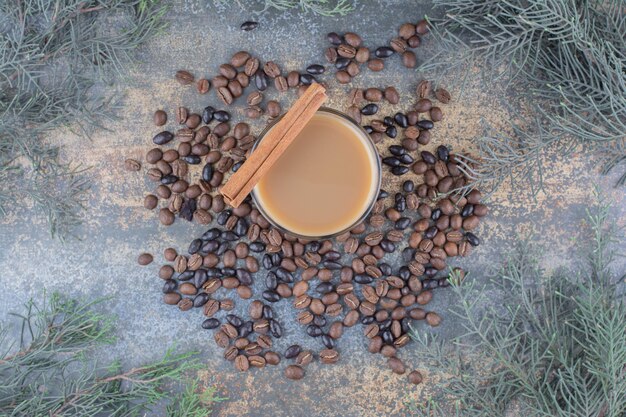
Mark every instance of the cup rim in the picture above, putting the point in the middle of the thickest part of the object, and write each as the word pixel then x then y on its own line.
pixel 377 169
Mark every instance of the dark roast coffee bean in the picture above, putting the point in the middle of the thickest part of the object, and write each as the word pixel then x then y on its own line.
pixel 169 179
pixel 207 172
pixel 271 282
pixel 185 276
pixel 401 120
pixel 391 131
pixel 249 25
pixel 385 268
pixel 363 279
pixel 369 109
pixel 328 341
pixel 307 79
pixel 247 329
pixel 388 121
pixel 207 114
pixel 325 287
pixel 400 201
pixel 244 276
pixel 194 246
pixel 276 258
pixel 408 186
pixel 401 170
pixel 334 38
pixel 436 214
pixel 234 320
pixel 211 323
pixel 315 69
pixel 222 218
pixel 468 210
pixel 391 161
pixel 284 275
pixel 191 159
pixel 163 137
pixel 443 153
pixel 382 194
pixel 425 124
pixel 201 299
pixel 270 296
pixel 211 234
pixel 260 80
pixel 332 255
pixel 428 157
pixel 229 236
pixel 257 247
pixel 406 159
pixel 241 227
pixel 367 320
pixel 236 166
pixel 314 331
pixel 221 116
pixel 169 286
pixel 387 337
pixel 368 129
pixel 472 239
pixel 319 321
pixel 268 312
pixel 199 278
pixel 397 150
pixel 276 329
pixel 402 223
pixel 383 52
pixel 292 351
pixel 332 265
pixel 228 271
pixel 388 246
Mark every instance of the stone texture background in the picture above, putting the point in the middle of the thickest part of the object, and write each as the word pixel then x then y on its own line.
pixel 117 228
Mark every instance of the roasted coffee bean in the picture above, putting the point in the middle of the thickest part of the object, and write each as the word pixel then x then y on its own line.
pixel 398 44
pixel 392 95
pixel 334 38
pixel 144 259
pixel 383 52
pixel 210 323
pixel 260 80
pixel 409 59
pixel 294 372
pixel 425 124
pixel 249 25
pixel 392 132
pixel 221 116
pixel 472 239
pixel 163 137
pixel 442 95
pixel 270 296
pixel 400 170
pixel 315 69
pixel 375 64
pixel 292 351
pixel 184 77
pixel 327 341
pixel 343 77
pixel 369 109
pixel 331 55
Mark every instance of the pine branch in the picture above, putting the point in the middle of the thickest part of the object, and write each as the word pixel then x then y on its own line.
pixel 328 8
pixel 49 372
pixel 555 345
pixel 568 59
pixel 53 56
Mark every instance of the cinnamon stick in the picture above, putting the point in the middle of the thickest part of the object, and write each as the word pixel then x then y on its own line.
pixel 241 183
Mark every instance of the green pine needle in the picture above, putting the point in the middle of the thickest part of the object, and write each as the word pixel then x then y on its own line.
pixel 51 372
pixel 566 61
pixel 55 57
pixel 554 346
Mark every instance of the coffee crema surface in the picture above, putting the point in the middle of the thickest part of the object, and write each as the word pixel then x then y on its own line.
pixel 324 182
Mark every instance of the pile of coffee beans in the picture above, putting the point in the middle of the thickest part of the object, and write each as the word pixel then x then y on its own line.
pixel 332 284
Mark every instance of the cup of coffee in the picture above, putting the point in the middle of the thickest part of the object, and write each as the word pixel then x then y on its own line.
pixel 325 183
